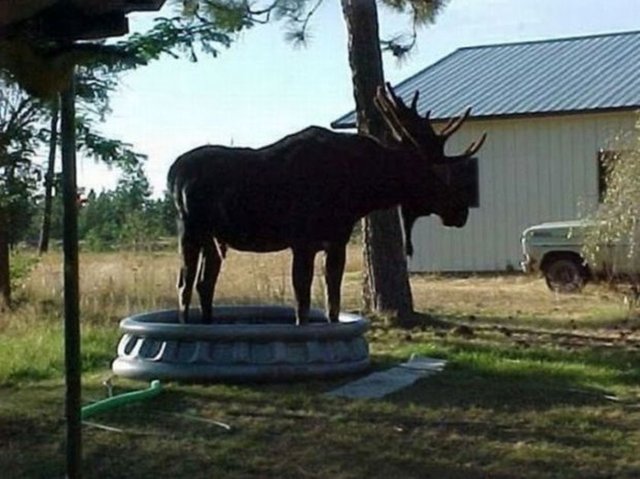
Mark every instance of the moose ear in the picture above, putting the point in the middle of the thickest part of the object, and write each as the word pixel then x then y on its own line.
pixel 408 220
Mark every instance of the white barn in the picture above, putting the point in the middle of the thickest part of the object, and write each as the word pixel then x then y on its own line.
pixel 549 108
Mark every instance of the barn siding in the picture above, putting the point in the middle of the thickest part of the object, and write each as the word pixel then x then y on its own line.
pixel 531 170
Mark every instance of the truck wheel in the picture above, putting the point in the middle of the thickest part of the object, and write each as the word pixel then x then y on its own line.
pixel 565 275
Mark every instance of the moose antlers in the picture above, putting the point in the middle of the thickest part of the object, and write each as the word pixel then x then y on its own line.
pixel 394 113
pixel 475 146
pixel 407 124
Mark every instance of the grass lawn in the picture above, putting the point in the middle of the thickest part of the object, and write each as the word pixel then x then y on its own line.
pixel 536 386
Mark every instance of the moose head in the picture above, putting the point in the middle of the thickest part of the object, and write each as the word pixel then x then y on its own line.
pixel 449 181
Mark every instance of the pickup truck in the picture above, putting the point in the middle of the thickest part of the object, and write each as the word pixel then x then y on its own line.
pixel 555 250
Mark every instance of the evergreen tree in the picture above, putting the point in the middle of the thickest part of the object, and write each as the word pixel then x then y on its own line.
pixel 19 135
pixel 126 217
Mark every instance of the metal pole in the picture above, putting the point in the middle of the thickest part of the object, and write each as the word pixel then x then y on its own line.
pixel 71 289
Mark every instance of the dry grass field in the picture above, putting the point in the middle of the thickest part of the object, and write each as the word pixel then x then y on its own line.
pixel 504 298
pixel 114 285
pixel 537 385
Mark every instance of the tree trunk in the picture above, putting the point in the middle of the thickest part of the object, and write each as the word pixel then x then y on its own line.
pixel 45 229
pixel 5 272
pixel 386 280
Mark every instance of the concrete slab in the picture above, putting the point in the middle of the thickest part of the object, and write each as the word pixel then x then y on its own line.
pixel 381 383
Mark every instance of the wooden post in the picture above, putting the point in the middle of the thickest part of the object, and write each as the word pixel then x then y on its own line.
pixel 71 289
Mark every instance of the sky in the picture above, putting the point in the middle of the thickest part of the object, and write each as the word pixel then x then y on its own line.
pixel 263 88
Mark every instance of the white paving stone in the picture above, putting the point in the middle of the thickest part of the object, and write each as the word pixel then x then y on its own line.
pixel 380 383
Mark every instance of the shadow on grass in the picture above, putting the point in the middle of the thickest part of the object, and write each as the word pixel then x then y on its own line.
pixel 468 385
pixel 31 431
pixel 458 424
pixel 449 426
pixel 31 447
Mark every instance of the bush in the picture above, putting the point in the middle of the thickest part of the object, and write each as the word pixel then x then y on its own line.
pixel 617 219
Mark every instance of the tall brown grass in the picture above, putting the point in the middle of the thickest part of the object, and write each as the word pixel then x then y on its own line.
pixel 114 285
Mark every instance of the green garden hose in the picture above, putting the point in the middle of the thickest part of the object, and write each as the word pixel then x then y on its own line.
pixel 121 399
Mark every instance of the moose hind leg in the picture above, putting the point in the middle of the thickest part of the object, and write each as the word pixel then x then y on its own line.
pixel 333 270
pixel 302 276
pixel 207 277
pixel 190 251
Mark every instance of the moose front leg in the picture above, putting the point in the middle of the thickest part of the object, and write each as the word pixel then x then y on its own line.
pixel 208 276
pixel 302 276
pixel 333 270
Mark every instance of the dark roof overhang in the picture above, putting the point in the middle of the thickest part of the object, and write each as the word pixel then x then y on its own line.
pixel 67 20
pixel 37 37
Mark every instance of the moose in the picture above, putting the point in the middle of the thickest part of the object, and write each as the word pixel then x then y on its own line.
pixel 307 191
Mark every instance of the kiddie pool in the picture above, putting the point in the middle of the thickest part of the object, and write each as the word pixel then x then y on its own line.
pixel 244 343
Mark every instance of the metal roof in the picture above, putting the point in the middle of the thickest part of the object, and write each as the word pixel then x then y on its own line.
pixel 599 72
